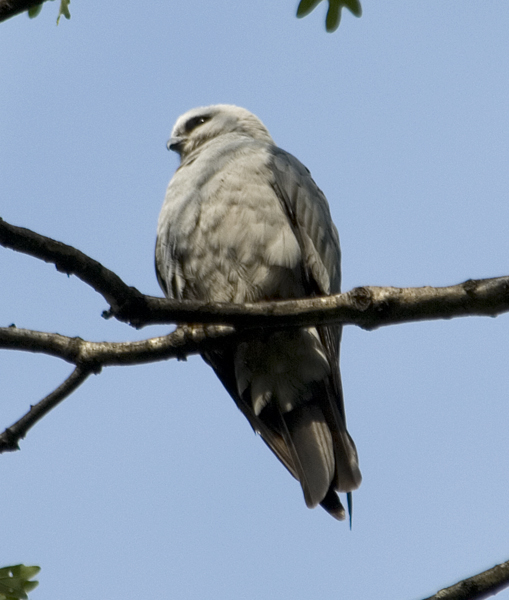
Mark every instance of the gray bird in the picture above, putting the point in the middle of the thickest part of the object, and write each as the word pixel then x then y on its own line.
pixel 243 221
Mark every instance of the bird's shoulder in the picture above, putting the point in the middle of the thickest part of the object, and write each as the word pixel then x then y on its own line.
pixel 309 212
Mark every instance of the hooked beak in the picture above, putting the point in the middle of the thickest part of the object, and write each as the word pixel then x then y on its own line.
pixel 175 144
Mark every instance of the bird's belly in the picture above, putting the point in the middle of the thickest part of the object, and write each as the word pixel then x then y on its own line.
pixel 241 249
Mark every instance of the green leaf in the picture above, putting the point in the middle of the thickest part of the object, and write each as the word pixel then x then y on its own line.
pixel 33 11
pixel 14 589
pixel 354 6
pixel 14 583
pixel 64 10
pixel 306 6
pixel 333 18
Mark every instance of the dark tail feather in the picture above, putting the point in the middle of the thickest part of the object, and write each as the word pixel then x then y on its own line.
pixel 333 506
pixel 347 463
pixel 309 440
pixel 348 475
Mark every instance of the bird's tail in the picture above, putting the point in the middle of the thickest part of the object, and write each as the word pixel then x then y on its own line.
pixel 324 457
pixel 309 440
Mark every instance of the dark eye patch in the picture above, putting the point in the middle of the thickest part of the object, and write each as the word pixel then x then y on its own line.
pixel 195 122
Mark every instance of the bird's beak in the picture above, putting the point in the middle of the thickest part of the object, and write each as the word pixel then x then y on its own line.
pixel 175 144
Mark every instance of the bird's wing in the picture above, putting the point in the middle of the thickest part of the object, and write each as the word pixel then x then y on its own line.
pixel 308 212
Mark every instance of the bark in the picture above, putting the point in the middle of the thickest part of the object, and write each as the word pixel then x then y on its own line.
pixel 485 584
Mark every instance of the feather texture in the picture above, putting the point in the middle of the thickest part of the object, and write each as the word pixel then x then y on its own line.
pixel 243 221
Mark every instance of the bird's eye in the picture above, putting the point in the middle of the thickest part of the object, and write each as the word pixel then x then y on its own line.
pixel 195 122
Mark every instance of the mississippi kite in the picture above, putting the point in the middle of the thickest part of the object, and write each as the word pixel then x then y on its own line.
pixel 243 221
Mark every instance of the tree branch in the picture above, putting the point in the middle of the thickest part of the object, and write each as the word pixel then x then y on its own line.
pixel 10 437
pixel 479 586
pixel 11 8
pixel 68 260
pixel 367 307
pixel 183 342
pixel 90 357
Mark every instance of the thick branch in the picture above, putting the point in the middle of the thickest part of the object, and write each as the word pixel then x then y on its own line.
pixel 67 259
pixel 367 307
pixel 479 586
pixel 10 437
pixel 10 8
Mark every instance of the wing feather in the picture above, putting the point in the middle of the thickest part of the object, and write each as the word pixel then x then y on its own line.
pixel 308 211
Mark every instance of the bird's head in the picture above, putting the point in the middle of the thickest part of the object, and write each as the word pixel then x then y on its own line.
pixel 200 125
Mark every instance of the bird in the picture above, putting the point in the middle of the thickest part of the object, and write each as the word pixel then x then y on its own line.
pixel 243 221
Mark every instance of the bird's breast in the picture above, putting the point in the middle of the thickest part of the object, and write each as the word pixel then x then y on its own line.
pixel 229 231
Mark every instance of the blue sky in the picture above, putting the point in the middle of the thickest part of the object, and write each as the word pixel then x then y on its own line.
pixel 148 482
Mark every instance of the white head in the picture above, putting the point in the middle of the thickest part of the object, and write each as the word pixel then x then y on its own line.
pixel 200 125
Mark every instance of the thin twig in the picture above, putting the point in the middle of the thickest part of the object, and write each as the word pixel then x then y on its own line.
pixel 485 584
pixel 90 357
pixel 179 344
pixel 10 437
